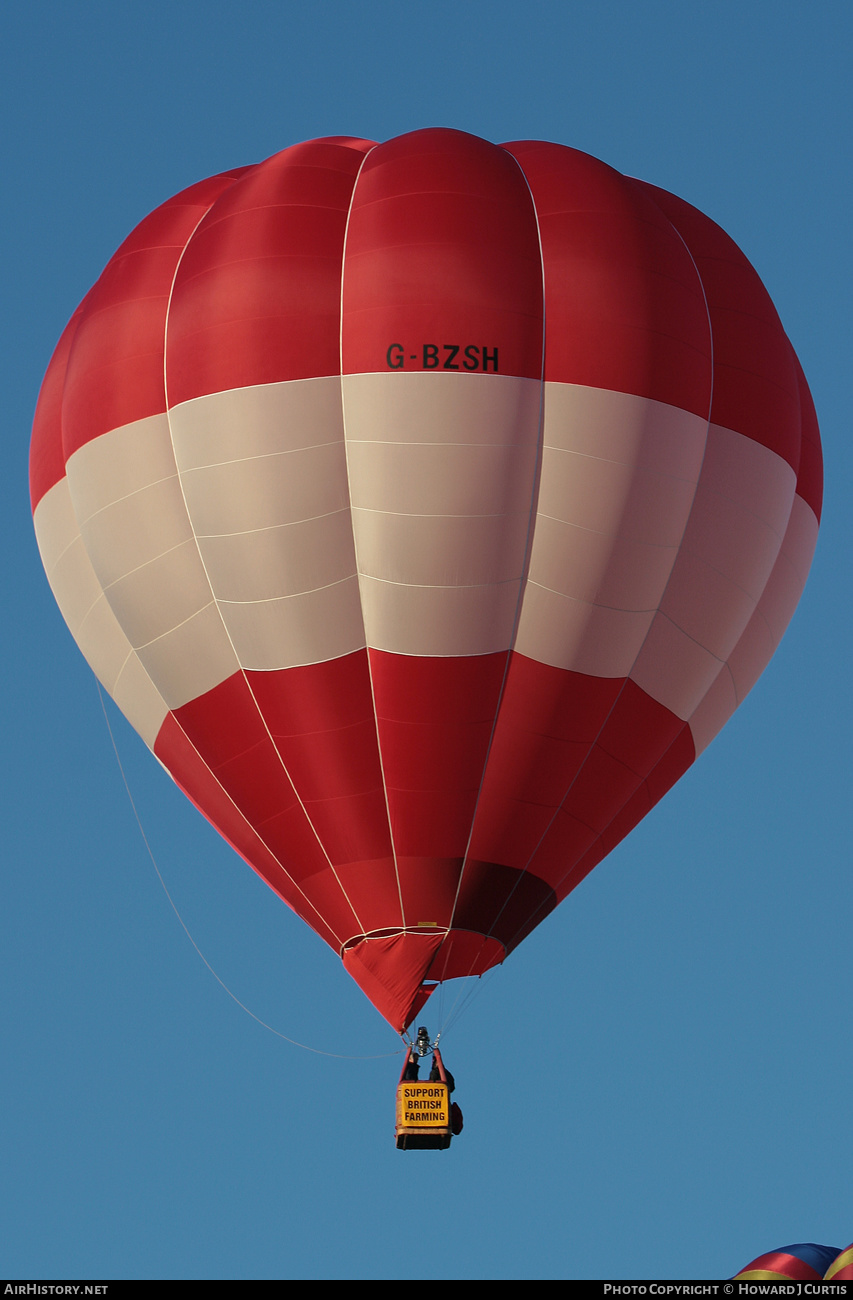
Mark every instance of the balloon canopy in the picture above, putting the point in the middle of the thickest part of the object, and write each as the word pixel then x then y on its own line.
pixel 804 1262
pixel 427 507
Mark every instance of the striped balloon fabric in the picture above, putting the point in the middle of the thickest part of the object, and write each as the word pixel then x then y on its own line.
pixel 804 1262
pixel 427 507
pixel 841 1268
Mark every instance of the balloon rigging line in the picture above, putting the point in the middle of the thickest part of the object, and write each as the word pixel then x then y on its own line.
pixel 462 1001
pixel 318 1051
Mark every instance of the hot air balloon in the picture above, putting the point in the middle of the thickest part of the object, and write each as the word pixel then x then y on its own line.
pixel 427 507
pixel 803 1262
pixel 841 1268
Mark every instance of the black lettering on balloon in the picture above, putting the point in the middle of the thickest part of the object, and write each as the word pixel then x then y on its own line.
pixel 472 358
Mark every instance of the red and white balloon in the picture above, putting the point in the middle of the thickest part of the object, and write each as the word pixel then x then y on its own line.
pixel 427 507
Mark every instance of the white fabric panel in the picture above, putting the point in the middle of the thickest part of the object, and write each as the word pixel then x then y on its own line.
pixel 788 579
pixel 190 658
pixel 74 583
pixel 442 476
pixel 619 575
pixel 117 667
pixel 441 479
pixel 56 527
pixel 264 476
pixel 706 605
pixel 282 561
pixel 307 628
pixel 764 630
pixel 144 556
pixel 442 472
pixel 412 620
pixel 266 491
pixel 714 710
pixel 139 700
pixel 736 528
pixel 674 669
pixel 730 546
pixel 261 421
pixel 120 463
pixel 160 595
pixel 89 617
pixel 439 407
pixel 616 499
pixel 625 429
pixel 440 550
pixel 619 475
pixel 136 530
pixel 128 501
pixel 586 638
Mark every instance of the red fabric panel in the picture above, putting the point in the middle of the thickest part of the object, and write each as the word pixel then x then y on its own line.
pixel 755 382
pixel 442 248
pixel 195 779
pixel 321 719
pixel 623 301
pixel 391 970
pixel 225 727
pixel 841 1268
pixel 672 765
pixel 463 953
pixel 810 471
pixel 258 293
pixel 780 1264
pixel 372 887
pixel 548 722
pixel 573 846
pixel 297 752
pixel 47 459
pixel 576 762
pixel 115 369
pixel 639 731
pixel 498 901
pixel 435 718
pixel 428 886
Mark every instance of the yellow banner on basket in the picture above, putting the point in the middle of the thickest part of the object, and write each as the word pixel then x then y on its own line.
pixel 422 1106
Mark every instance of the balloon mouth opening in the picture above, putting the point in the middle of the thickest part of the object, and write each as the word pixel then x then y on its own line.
pixel 399 968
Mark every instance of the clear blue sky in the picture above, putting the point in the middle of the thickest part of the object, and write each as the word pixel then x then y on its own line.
pixel 657 1084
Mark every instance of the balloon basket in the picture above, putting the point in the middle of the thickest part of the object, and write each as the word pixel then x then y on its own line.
pixel 423 1117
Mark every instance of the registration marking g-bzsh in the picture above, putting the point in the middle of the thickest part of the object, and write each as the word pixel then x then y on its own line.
pixel 447 356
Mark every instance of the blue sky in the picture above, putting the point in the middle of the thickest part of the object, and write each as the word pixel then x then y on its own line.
pixel 657 1082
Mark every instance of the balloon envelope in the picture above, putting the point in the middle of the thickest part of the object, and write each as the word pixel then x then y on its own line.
pixel 427 507
pixel 805 1261
pixel 841 1268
